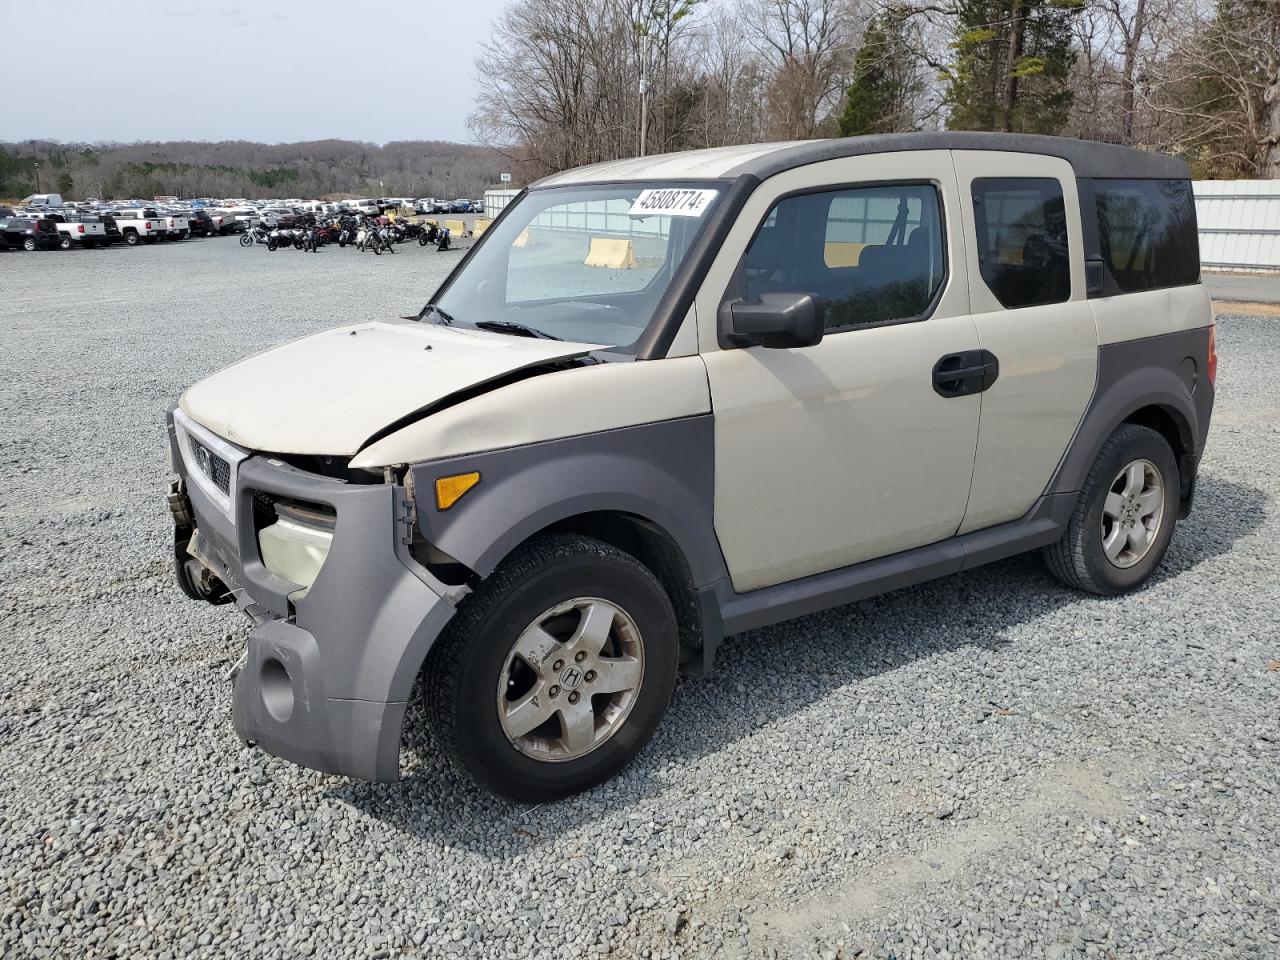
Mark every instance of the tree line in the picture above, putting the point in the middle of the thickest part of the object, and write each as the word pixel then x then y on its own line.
pixel 251 170
pixel 567 82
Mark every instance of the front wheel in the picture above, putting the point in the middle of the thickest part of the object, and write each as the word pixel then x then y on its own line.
pixel 273 244
pixel 246 240
pixel 555 673
pixel 64 243
pixel 29 244
pixel 1124 518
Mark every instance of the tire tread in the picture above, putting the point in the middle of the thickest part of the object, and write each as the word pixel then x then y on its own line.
pixel 441 680
pixel 1066 558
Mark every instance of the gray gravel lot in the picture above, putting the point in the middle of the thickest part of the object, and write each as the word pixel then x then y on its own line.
pixel 986 766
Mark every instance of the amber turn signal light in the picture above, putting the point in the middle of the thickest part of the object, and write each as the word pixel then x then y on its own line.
pixel 449 489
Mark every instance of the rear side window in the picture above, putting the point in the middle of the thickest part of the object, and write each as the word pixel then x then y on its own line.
pixel 1022 240
pixel 1147 233
pixel 873 254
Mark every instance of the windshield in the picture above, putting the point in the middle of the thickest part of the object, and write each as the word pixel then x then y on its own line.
pixel 580 263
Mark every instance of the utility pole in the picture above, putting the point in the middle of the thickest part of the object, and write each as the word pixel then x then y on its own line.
pixel 36 164
pixel 644 109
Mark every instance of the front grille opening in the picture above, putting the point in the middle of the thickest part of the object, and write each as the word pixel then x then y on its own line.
pixel 211 465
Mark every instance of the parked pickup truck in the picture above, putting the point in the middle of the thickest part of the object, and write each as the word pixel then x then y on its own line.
pixel 84 231
pixel 783 378
pixel 179 226
pixel 246 217
pixel 224 221
pixel 141 225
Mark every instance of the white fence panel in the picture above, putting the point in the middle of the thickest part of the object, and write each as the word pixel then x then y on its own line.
pixel 495 201
pixel 1239 223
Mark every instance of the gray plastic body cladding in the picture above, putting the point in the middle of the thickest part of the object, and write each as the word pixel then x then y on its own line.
pixel 357 639
pixel 662 472
pixel 1040 526
pixel 1132 374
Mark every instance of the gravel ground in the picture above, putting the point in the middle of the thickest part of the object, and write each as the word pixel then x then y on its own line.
pixel 989 765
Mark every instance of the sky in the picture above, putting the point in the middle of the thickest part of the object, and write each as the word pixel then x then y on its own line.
pixel 275 71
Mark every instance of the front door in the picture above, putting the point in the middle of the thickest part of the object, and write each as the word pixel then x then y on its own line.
pixel 851 449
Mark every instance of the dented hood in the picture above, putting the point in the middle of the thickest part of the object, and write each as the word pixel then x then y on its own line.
pixel 329 393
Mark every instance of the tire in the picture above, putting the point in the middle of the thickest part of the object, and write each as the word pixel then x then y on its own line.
pixel 553 580
pixel 1100 555
pixel 29 244
pixel 246 240
pixel 64 243
pixel 377 248
pixel 131 238
pixel 273 244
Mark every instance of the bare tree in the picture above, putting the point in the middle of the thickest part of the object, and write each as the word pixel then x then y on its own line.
pixel 809 46
pixel 1216 96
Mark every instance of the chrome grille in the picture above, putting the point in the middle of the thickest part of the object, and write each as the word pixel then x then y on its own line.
pixel 211 465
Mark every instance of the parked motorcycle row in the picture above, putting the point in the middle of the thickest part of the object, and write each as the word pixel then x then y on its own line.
pixel 367 234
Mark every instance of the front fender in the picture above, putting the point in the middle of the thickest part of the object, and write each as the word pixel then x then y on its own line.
pixel 662 472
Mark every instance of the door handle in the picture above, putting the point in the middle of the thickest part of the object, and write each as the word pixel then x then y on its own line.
pixel 966 373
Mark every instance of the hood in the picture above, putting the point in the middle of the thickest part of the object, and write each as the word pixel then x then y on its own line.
pixel 329 393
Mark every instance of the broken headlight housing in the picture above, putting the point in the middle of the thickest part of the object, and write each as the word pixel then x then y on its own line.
pixel 296 544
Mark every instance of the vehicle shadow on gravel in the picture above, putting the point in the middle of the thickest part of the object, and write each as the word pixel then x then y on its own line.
pixel 804 660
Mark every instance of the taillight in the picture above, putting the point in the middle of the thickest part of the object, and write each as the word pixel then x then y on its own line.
pixel 147 225
pixel 80 228
pixel 1213 355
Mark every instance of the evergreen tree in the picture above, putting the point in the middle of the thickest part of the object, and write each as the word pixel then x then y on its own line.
pixel 1012 66
pixel 886 80
pixel 65 184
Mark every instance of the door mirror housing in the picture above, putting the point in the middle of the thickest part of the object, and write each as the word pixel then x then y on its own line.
pixel 778 321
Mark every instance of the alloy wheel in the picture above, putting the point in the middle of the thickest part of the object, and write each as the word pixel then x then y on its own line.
pixel 570 679
pixel 1132 513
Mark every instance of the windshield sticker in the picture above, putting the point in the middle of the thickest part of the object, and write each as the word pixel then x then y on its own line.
pixel 672 202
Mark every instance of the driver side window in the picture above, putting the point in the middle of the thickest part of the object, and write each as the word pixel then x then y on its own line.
pixel 873 254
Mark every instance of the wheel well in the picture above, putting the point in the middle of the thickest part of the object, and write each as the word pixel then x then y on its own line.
pixel 1176 432
pixel 657 550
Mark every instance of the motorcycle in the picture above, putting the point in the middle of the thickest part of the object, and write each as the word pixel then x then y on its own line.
pixel 255 234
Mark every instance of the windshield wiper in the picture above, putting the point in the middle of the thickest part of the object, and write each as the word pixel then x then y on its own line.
pixel 517 329
pixel 445 319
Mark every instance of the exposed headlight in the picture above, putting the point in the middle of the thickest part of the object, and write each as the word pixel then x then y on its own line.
pixel 295 546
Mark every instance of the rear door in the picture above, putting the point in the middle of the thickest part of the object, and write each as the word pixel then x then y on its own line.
pixel 1027 293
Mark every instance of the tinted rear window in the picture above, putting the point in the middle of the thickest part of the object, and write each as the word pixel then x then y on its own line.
pixel 1147 233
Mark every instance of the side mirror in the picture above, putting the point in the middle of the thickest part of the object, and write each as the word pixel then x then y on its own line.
pixel 779 320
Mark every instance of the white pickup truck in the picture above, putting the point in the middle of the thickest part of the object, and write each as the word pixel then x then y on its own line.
pixel 179 226
pixel 141 225
pixel 86 232
pixel 225 221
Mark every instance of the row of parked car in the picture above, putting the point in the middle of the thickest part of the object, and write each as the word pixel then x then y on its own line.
pixel 66 228
pixel 46 221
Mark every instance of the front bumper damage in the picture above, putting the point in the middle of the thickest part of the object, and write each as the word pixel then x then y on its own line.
pixel 328 673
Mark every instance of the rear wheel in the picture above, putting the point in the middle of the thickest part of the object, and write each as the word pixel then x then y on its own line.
pixel 555 673
pixel 29 243
pixel 1124 518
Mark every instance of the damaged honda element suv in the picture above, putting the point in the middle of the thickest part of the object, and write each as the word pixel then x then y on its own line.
pixel 670 399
